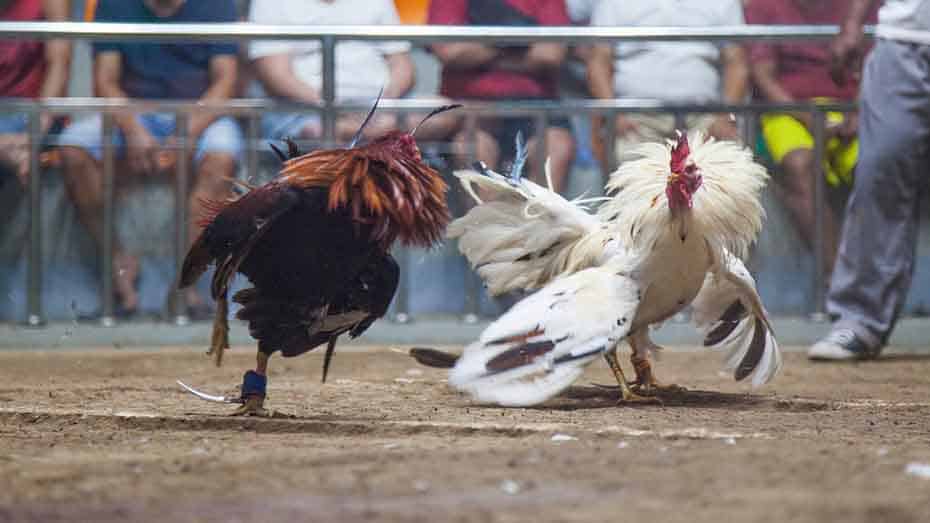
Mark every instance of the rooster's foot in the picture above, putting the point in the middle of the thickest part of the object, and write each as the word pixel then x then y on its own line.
pixel 646 382
pixel 253 406
pixel 627 396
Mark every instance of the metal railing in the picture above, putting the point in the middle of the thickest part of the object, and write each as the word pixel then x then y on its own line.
pixel 542 111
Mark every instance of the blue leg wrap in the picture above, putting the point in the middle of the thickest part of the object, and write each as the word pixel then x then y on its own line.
pixel 253 384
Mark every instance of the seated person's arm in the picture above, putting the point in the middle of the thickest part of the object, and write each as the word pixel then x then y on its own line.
pixel 600 72
pixel 544 58
pixel 401 75
pixel 465 55
pixel 764 75
pixel 57 58
pixel 278 78
pixel 108 69
pixel 141 145
pixel 735 72
pixel 537 59
pixel 223 75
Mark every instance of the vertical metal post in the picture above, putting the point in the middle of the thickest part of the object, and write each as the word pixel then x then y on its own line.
pixel 402 254
pixel 108 318
pixel 541 123
pixel 251 148
pixel 329 90
pixel 681 121
pixel 402 298
pixel 819 205
pixel 748 122
pixel 609 135
pixel 472 284
pixel 34 312
pixel 179 306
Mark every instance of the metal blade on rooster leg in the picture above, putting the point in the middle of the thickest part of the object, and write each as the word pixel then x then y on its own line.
pixel 208 397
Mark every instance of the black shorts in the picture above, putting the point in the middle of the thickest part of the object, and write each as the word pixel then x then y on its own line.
pixel 504 129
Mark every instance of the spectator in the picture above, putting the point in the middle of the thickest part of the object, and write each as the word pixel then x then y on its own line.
pixel 798 71
pixel 292 70
pixel 474 70
pixel 876 254
pixel 30 69
pixel 674 72
pixel 146 145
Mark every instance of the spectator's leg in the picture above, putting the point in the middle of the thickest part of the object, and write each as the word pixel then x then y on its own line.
pixel 791 146
pixel 876 257
pixel 486 148
pixel 795 189
pixel 81 152
pixel 560 150
pixel 218 152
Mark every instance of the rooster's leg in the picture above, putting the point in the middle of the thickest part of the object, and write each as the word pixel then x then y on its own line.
pixel 646 382
pixel 253 390
pixel 626 394
pixel 219 341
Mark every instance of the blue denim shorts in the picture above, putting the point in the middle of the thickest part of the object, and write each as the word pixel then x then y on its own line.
pixel 222 136
pixel 13 123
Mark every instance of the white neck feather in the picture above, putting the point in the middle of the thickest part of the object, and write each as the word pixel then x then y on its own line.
pixel 726 208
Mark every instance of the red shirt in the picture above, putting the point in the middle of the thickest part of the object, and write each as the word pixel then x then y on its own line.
pixel 802 67
pixel 490 83
pixel 22 62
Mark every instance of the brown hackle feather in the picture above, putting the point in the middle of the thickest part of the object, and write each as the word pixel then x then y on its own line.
pixel 398 195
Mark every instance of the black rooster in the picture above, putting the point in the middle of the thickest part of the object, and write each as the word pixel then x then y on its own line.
pixel 315 244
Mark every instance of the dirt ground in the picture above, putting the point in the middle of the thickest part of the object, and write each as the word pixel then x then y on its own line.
pixel 106 435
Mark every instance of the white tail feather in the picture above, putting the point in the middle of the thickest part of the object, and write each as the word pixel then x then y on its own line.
pixel 723 287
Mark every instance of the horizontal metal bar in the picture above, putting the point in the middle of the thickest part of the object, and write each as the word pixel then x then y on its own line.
pixel 246 106
pixel 414 33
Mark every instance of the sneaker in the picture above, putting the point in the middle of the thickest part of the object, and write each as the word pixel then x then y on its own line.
pixel 841 345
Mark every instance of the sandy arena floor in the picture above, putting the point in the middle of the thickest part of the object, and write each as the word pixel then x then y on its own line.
pixel 107 436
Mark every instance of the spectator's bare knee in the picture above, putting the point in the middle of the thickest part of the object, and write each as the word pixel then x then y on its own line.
pixel 798 167
pixel 215 173
pixel 560 145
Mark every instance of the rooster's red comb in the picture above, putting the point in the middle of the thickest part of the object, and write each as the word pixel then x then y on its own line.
pixel 680 153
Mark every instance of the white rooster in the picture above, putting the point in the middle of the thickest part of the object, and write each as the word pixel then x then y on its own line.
pixel 680 219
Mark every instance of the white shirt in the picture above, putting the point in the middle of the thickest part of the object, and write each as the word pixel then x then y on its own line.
pixel 907 20
pixel 579 11
pixel 672 71
pixel 361 67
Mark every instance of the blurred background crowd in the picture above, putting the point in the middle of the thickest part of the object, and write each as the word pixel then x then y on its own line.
pixel 148 148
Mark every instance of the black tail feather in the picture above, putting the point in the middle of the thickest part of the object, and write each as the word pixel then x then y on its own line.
pixel 434 358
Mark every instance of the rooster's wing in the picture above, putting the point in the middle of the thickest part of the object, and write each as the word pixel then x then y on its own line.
pixel 229 236
pixel 520 235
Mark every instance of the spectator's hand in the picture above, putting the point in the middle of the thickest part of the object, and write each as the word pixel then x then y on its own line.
pixel 622 127
pixel 724 128
pixel 625 125
pixel 849 129
pixel 846 55
pixel 142 151
pixel 14 150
